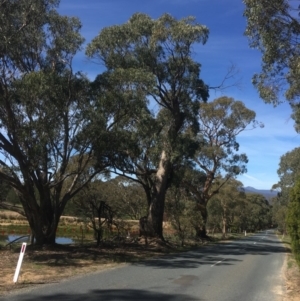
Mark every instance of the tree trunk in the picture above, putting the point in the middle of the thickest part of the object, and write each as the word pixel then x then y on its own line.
pixel 43 229
pixel 224 222
pixel 155 216
pixel 201 227
pixel 152 226
pixel 224 227
pixel 44 238
pixel 201 232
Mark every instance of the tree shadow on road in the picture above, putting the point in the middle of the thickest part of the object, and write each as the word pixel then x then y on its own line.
pixel 222 254
pixel 114 295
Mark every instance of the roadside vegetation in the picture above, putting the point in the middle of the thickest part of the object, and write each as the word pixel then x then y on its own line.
pixel 276 82
pixel 64 138
pixel 130 174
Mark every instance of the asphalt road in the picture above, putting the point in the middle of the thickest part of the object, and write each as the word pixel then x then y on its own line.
pixel 244 270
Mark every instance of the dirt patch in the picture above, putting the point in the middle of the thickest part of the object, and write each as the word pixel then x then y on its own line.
pixel 52 264
pixel 292 276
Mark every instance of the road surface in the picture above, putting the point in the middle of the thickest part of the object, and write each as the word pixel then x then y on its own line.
pixel 243 270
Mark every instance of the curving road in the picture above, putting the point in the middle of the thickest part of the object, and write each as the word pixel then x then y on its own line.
pixel 243 270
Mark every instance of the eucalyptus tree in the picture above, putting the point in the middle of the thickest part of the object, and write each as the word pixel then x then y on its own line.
pixel 180 213
pixel 288 173
pixel 259 212
pixel 289 168
pixel 232 194
pixel 217 159
pixel 273 27
pixel 127 197
pixel 157 53
pixel 279 213
pixel 43 106
pixel 228 210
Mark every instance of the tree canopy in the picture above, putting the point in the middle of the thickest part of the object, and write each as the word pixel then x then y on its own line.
pixel 273 27
pixel 217 159
pixel 158 53
pixel 43 113
pixel 146 117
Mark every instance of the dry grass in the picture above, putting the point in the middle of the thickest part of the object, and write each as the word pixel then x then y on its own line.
pixel 12 218
pixel 52 264
pixel 292 274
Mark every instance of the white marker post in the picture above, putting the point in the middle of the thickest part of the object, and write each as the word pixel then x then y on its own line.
pixel 18 268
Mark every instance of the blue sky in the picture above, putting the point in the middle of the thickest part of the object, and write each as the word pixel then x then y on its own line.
pixel 226 46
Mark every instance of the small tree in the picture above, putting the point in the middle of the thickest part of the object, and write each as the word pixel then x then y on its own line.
pixel 92 205
pixel 180 212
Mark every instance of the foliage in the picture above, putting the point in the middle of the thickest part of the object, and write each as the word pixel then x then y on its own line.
pixel 121 200
pixel 59 130
pixel 289 167
pixel 180 211
pixel 224 205
pixel 273 27
pixel 43 107
pixel 237 211
pixel 221 121
pixel 152 59
pixel 293 220
pixel 288 173
pixel 125 197
pixel 259 212
pixel 214 216
pixel 279 213
pixel 91 205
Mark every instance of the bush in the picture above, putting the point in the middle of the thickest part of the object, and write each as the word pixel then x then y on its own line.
pixel 293 220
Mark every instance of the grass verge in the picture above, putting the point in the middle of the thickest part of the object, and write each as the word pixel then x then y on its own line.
pixel 291 272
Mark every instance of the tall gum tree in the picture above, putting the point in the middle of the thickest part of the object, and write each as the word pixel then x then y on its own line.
pixel 42 119
pixel 159 52
pixel 288 173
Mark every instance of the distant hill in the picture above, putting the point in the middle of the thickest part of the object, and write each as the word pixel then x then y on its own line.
pixel 268 194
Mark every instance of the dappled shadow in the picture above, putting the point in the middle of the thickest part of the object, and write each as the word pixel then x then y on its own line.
pixel 113 295
pixel 77 256
pixel 57 255
pixel 227 253
pixel 185 262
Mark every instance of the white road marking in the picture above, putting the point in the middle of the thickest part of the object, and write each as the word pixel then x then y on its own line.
pixel 217 262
